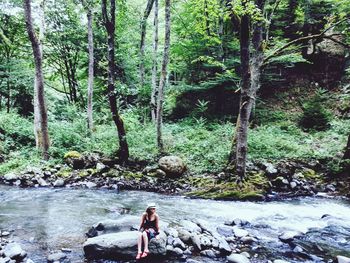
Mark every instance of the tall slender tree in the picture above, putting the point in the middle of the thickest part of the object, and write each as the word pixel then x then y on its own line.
pixel 163 77
pixel 43 134
pixel 142 42
pixel 89 15
pixel 154 63
pixel 109 23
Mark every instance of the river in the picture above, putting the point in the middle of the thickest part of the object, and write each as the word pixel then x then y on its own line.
pixel 45 219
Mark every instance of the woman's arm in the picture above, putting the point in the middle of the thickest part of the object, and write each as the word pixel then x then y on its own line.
pixel 142 222
pixel 157 224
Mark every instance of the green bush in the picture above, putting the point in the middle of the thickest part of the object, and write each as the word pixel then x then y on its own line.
pixel 315 116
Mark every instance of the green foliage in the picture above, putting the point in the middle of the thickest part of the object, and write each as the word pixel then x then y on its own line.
pixel 315 115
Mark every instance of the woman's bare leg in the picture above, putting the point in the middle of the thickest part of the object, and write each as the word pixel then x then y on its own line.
pixel 145 241
pixel 139 243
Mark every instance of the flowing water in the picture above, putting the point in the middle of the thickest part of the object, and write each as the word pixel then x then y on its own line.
pixel 46 220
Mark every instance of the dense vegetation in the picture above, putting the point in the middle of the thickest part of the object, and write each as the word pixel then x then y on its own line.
pixel 301 111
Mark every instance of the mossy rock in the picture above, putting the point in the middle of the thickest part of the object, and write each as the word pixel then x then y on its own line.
pixel 228 195
pixel 72 154
pixel 64 173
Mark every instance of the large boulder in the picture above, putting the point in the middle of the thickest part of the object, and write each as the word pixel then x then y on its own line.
pixel 237 258
pixel 14 251
pixel 173 166
pixel 126 223
pixel 122 245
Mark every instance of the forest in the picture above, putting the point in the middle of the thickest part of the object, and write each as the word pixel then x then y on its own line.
pixel 235 100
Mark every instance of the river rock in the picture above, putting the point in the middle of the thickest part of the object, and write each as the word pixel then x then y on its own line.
pixel 14 251
pixel 171 232
pixel 280 261
pixel 205 241
pixel 288 236
pixel 270 169
pixel 239 232
pixel 56 257
pixel 196 241
pixel 100 167
pixel 190 226
pixel 173 166
pixel 224 247
pixel 174 251
pixel 225 231
pixel 58 183
pixel 237 258
pixel 90 185
pixel 342 259
pixel 184 235
pixel 121 245
pixel 208 253
pixel 248 240
pixel 192 261
pixel 178 243
pixel 6 260
pixel 12 177
pixel 125 223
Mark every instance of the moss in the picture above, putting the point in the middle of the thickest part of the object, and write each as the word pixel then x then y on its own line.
pixel 65 173
pixel 72 154
pixel 83 173
pixel 132 175
pixel 228 195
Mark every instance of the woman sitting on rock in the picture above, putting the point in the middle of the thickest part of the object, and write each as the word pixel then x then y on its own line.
pixel 149 229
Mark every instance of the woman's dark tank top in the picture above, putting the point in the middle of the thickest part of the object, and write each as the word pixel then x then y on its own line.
pixel 150 224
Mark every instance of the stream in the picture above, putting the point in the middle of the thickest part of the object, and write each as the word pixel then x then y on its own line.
pixel 45 220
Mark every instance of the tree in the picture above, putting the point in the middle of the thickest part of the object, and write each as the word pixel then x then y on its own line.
pixel 39 79
pixel 163 77
pixel 89 15
pixel 254 57
pixel 347 150
pixel 154 63
pixel 109 23
pixel 142 42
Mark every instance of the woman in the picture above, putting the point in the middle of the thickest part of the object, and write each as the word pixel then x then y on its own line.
pixel 149 228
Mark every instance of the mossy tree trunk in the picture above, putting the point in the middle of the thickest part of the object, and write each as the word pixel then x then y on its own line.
pixel 163 78
pixel 154 93
pixel 347 150
pixel 43 135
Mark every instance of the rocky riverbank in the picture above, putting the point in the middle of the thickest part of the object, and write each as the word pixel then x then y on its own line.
pixel 265 181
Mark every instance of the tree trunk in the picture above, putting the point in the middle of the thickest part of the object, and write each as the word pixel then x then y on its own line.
pixel 221 31
pixel 251 73
pixel 155 64
pixel 163 77
pixel 44 135
pixel 8 104
pixel 37 122
pixel 142 43
pixel 91 70
pixel 123 153
pixel 347 150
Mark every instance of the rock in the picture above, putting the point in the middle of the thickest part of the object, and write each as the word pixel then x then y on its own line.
pixel 101 168
pixel 5 260
pixel 41 182
pixel 90 185
pixel 270 169
pixel 75 160
pixel 58 183
pixel 293 185
pixel 190 226
pixel 224 247
pixel 14 251
pixel 160 173
pixel 29 261
pixel 288 236
pixel 171 232
pixel 238 232
pixel 208 253
pixel 178 243
pixel 225 231
pixel 4 233
pixel 174 251
pixel 280 261
pixel 121 246
pixel 125 223
pixel 184 235
pixel 56 257
pixel 237 258
pixel 196 242
pixel 12 177
pixel 246 254
pixel 205 241
pixel 342 259
pixel 297 249
pixel 192 261
pixel 173 166
pixel 330 188
pixel 248 240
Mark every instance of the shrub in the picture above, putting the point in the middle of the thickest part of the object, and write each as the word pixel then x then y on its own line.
pixel 315 115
